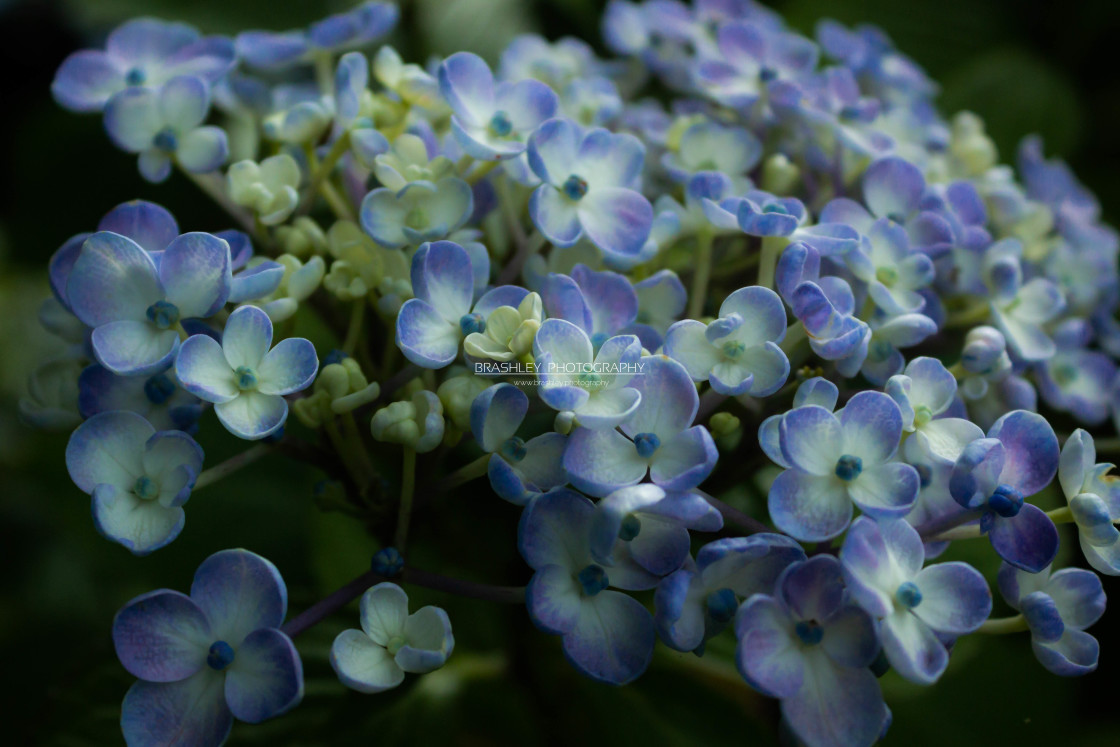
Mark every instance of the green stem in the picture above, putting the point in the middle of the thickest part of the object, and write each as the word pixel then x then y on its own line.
pixel 466 473
pixel 231 465
pixel 480 172
pixel 324 73
pixel 1107 445
pixel 795 334
pixel 350 458
pixel 335 201
pixel 1061 515
pixel 214 188
pixel 772 247
pixel 357 314
pixel 408 487
pixel 977 313
pixel 702 275
pixel 1004 625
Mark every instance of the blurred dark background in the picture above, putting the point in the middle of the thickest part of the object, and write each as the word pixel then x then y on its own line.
pixel 1024 67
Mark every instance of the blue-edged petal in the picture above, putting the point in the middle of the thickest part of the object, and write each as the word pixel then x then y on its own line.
pixel 162 636
pixel 132 348
pixel 265 678
pixel 425 337
pixel 555 216
pixel 1074 654
pixel 1079 596
pixel 113 279
pixel 108 449
pixel 1028 540
pixel 188 712
pixel 203 370
pixel 247 337
pixel 240 592
pixel 443 277
pixel 196 274
pixel 553 599
pixel 811 439
pixel 253 415
pixel 872 426
pixel 363 665
pixel 955 598
pixel 132 119
pixel 885 491
pixel 151 226
pixel 808 507
pixel 601 461
pixel 892 188
pixel 767 654
pixel 86 80
pixel 467 84
pixel 976 472
pixel 289 367
pixel 429 641
pixel 1030 449
pixel 612 640
pixel 256 282
pixel 684 461
pixel 203 150
pixel 553 531
pixel 496 414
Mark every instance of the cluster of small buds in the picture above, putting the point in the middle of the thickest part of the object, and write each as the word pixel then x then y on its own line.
pixel 618 307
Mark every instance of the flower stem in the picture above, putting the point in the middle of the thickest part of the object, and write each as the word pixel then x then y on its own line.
pixel 531 246
pixel 1003 625
pixel 351 591
pixel 1107 445
pixel 932 529
pixel 1061 515
pixel 357 315
pixel 702 275
pixel 408 488
pixel 772 247
pixel 795 333
pixel 735 516
pixel 231 465
pixel 212 185
pixel 464 474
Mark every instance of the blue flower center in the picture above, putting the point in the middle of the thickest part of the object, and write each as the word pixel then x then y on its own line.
pixel 245 378
pixel 809 632
pixel 630 528
pixel 1006 501
pixel 145 488
pixel 767 74
pixel 849 113
pixel 395 644
pixel 471 323
pixel 387 561
pixel 500 124
pixel 879 350
pixel 589 380
pixel 776 208
pixel 166 140
pixel 513 449
pixel 592 579
pixel 722 605
pixel 575 188
pixel 598 339
pixel 908 594
pixel 159 389
pixel 896 217
pixel 163 314
pixel 135 77
pixel 848 467
pixel 733 349
pixel 220 656
pixel 646 444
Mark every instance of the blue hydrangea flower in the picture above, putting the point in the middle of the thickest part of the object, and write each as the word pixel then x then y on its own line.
pixel 1074 379
pixel 135 308
pixel 203 660
pixel 141 52
pixel 588 188
pixel 653 524
pixel 752 59
pixel 244 376
pixel 418 212
pixel 661 301
pixel 276 50
pixel 138 478
pixel 889 334
pixel 699 601
pixel 883 571
pixel 606 634
pixel 924 393
pixel 1094 500
pixel 391 641
pixel 815 391
pixel 574 378
pixel 658 438
pixel 1058 607
pixel 492 122
pixel 738 352
pixel 838 461
pixel 158 398
pixel 826 308
pixel 431 325
pixel 893 271
pixel 1020 309
pixel 519 470
pixel 165 125
pixel 995 475
pixel 811 648
pixel 602 304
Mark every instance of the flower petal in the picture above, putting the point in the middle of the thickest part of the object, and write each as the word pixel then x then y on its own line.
pixel 808 507
pixel 425 337
pixel 613 638
pixel 162 636
pixel 289 367
pixel 184 713
pixel 363 665
pixel 253 415
pixel 240 592
pixel 265 678
pixel 247 337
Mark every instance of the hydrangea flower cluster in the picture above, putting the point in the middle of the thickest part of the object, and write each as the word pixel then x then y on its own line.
pixel 791 274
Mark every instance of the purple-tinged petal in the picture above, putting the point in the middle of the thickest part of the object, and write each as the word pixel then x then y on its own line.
pixel 265 678
pixel 768 654
pixel 142 526
pixel 1030 449
pixel 86 80
pixel 113 279
pixel 496 414
pixel 685 461
pixel 240 592
pixel 885 491
pixel 955 598
pixel 892 188
pixel 606 159
pixel 108 449
pixel 617 220
pixel 613 638
pixel 203 370
pixel 247 337
pixel 425 337
pixel 196 275
pixel 289 367
pixel 552 531
pixel 1028 540
pixel 132 119
pixel 555 216
pixel 553 150
pixel 553 600
pixel 151 226
pixel 527 103
pixel 180 714
pixel 130 348
pixel 253 415
pixel 443 278
pixel 1073 655
pixel 162 636
pixel 669 397
pixel 811 439
pixel 609 297
pixel 808 507
pixel 912 648
pixel 467 84
pixel 1079 596
pixel 976 472
pixel 601 461
pixel 255 282
pixel 872 426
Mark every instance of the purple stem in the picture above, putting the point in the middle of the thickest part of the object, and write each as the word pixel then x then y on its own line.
pixel 735 516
